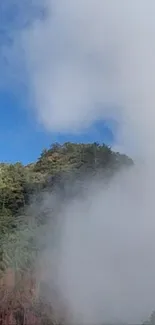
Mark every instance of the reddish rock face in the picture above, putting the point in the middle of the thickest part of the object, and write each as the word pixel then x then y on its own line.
pixel 17 293
pixel 20 303
pixel 18 317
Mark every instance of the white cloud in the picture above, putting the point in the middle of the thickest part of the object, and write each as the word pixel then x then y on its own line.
pixel 91 52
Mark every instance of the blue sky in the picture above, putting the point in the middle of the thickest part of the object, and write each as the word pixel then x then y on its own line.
pixel 21 138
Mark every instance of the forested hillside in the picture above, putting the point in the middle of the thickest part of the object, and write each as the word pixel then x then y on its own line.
pixel 21 188
pixel 21 185
pixel 18 182
pixel 21 224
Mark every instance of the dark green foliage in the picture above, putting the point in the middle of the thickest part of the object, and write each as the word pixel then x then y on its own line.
pixel 78 156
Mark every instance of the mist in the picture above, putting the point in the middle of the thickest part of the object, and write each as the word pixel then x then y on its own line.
pixel 102 263
pixel 90 60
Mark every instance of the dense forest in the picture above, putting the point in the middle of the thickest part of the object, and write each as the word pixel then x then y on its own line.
pixel 19 183
pixel 21 188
